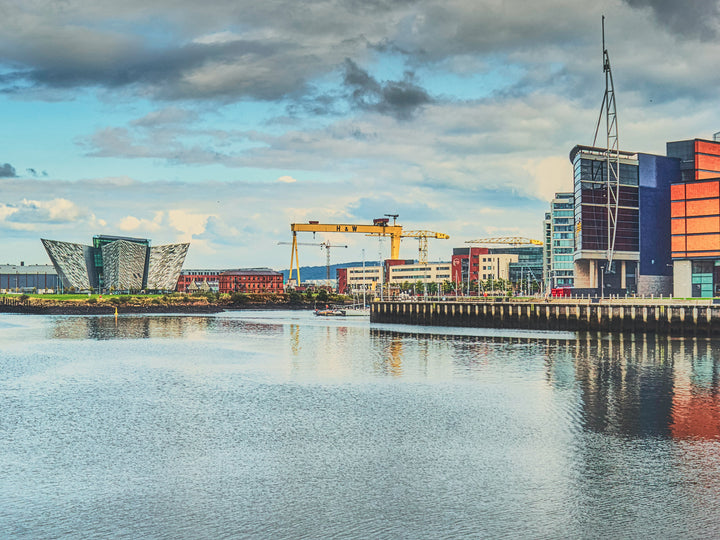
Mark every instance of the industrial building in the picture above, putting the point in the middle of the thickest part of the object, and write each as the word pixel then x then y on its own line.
pixel 31 278
pixel 247 280
pixel 116 263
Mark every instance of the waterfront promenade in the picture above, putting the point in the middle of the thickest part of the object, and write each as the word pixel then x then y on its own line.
pixel 666 316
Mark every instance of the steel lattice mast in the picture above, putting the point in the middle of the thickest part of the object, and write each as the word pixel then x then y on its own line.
pixel 612 152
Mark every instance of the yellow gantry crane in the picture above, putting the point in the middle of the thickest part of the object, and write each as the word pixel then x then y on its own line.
pixel 507 240
pixel 380 227
pixel 324 245
pixel 422 237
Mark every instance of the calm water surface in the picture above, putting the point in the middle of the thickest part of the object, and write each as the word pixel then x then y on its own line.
pixel 280 425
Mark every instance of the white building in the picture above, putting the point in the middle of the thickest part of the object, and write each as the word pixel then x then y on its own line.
pixel 427 273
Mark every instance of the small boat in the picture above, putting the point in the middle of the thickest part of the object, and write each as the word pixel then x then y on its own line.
pixel 330 312
pixel 357 310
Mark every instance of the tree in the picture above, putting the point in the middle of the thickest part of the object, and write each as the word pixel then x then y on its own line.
pixel 322 295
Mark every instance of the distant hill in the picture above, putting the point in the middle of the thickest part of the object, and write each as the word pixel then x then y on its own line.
pixel 320 272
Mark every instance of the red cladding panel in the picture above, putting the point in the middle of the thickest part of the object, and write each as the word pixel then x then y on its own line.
pixel 677 209
pixel 703 225
pixel 677 192
pixel 704 242
pixel 677 243
pixel 677 226
pixel 708 147
pixel 707 163
pixel 702 190
pixel 702 253
pixel 709 207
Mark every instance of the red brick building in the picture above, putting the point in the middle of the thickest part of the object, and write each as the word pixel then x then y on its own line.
pixel 248 280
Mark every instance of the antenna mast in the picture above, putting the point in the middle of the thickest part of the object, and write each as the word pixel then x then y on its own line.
pixel 612 152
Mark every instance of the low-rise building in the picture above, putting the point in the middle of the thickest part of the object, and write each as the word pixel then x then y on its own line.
pixel 426 273
pixel 248 280
pixel 22 278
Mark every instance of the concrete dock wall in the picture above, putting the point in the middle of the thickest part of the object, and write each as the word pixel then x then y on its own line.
pixel 682 319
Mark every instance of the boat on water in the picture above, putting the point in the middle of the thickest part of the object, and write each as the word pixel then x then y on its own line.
pixel 357 311
pixel 353 310
pixel 330 312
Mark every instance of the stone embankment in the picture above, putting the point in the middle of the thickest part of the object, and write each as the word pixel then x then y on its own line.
pixel 606 316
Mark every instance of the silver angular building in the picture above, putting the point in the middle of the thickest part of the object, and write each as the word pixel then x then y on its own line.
pixel 117 263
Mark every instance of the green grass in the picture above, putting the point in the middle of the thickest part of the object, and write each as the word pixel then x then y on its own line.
pixel 78 297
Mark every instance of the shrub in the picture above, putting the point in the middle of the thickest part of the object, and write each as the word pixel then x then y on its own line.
pixel 92 300
pixel 239 298
pixel 295 297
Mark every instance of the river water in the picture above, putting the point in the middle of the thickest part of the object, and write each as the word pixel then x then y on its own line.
pixel 281 425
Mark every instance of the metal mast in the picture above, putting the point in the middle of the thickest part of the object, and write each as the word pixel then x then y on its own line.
pixel 612 152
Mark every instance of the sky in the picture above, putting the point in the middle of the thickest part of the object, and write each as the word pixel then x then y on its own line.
pixel 221 122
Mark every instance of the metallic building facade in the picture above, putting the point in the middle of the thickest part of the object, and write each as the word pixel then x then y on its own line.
pixel 117 263
pixel 74 263
pixel 164 266
pixel 124 265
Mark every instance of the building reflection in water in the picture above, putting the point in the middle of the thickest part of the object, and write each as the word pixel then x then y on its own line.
pixel 626 385
pixel 642 385
pixel 127 327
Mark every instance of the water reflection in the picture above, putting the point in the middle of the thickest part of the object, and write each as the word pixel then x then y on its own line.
pixel 250 423
pixel 642 385
pixel 126 327
pixel 630 386
pixel 153 326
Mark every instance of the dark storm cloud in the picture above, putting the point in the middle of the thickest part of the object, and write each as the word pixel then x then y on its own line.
pixel 400 99
pixel 7 171
pixel 697 18
pixel 170 73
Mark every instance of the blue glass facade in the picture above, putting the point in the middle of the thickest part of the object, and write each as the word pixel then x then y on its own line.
pixel 656 173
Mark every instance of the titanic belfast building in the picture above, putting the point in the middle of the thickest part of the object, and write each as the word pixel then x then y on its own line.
pixel 117 263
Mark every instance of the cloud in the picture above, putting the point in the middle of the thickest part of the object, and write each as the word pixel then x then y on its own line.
pixel 400 99
pixel 166 116
pixel 7 171
pixel 52 211
pixel 697 19
pixel 34 215
pixel 550 175
pixel 286 180
pixel 188 224
pixel 132 223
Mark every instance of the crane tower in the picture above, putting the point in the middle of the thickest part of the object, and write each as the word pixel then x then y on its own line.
pixel 608 111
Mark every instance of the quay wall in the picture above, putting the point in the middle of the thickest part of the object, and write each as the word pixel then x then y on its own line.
pixel 681 319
